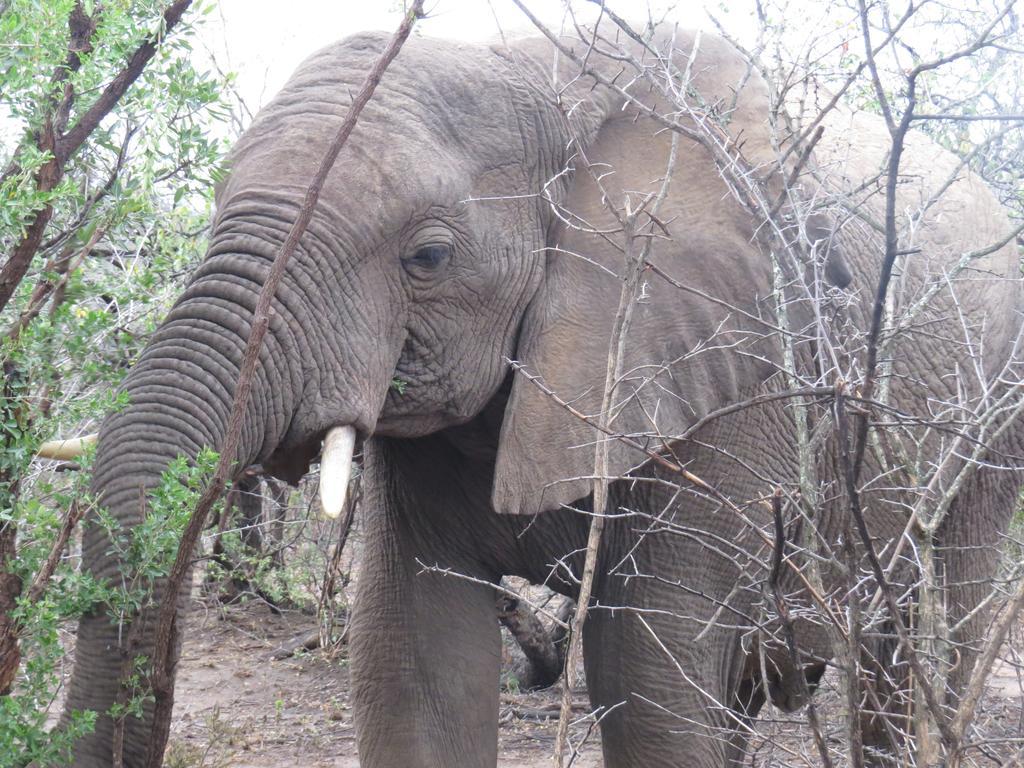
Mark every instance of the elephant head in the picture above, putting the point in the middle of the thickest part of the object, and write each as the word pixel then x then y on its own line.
pixel 461 228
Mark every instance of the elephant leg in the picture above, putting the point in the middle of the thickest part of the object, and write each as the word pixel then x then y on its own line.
pixel 768 675
pixel 750 697
pixel 425 647
pixel 971 541
pixel 887 677
pixel 668 709
pixel 660 648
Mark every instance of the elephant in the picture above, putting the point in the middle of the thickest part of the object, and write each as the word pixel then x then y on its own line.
pixel 465 246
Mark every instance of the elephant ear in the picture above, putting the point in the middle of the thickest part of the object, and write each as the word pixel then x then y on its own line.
pixel 688 351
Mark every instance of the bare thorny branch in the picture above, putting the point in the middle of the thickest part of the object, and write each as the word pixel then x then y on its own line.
pixel 854 402
pixel 636 250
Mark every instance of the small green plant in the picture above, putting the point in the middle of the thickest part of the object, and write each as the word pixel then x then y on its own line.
pixel 24 713
pixel 146 553
pixel 399 385
pixel 218 752
pixel 510 683
pixel 136 690
pixel 148 550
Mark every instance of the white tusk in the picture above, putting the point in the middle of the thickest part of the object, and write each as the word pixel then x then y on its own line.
pixel 64 450
pixel 336 468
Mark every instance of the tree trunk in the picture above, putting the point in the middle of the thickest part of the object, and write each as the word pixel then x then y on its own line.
pixel 544 650
pixel 10 589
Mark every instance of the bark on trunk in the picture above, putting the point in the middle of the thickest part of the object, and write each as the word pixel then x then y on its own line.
pixel 10 589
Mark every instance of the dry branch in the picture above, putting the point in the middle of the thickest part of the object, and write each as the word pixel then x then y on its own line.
pixel 779 599
pixel 864 356
pixel 167 630
pixel 637 248
pixel 543 653
pixel 895 614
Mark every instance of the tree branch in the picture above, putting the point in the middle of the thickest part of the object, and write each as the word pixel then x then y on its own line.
pixel 71 141
pixel 166 632
pixel 62 146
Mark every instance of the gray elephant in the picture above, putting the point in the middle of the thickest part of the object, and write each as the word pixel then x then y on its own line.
pixel 460 230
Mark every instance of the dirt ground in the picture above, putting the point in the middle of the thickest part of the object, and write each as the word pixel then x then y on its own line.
pixel 235 705
pixel 239 707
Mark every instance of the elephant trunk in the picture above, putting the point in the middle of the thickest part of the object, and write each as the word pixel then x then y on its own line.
pixel 179 400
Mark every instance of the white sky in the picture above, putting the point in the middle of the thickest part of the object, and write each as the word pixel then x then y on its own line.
pixel 264 40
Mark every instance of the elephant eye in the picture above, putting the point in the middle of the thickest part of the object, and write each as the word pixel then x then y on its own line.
pixel 429 256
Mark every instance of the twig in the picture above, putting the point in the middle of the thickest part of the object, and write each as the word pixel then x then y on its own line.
pixel 71 519
pixel 973 118
pixel 856 511
pixel 500 588
pixel 657 458
pixel 325 605
pixel 65 268
pixel 994 639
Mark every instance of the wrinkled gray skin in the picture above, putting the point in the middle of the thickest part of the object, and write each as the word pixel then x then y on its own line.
pixel 467 442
